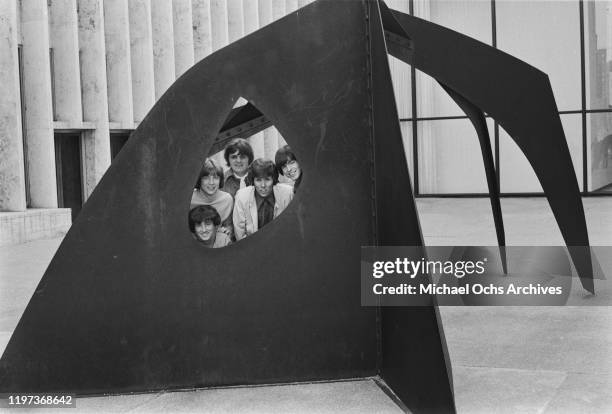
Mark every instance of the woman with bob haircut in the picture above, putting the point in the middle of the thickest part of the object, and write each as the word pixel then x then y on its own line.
pixel 238 155
pixel 288 166
pixel 204 223
pixel 262 202
pixel 207 193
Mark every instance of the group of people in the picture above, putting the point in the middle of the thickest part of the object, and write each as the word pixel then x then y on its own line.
pixel 229 206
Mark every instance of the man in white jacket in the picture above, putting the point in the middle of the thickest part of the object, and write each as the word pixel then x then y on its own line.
pixel 257 205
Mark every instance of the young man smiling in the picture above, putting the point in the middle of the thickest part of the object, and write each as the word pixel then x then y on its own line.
pixel 238 155
pixel 288 167
pixel 257 205
pixel 204 223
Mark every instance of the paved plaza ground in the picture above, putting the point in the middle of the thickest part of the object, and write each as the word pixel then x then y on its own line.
pixel 504 359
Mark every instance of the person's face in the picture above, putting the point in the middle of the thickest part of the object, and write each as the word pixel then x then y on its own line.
pixel 292 170
pixel 210 184
pixel 263 185
pixel 238 163
pixel 205 230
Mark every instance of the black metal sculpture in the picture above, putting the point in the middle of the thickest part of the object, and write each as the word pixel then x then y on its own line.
pixel 525 107
pixel 131 302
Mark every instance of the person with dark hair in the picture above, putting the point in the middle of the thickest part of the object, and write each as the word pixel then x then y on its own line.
pixel 238 155
pixel 207 193
pixel 204 223
pixel 288 166
pixel 262 202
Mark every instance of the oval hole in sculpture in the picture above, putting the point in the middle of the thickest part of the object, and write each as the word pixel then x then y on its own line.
pixel 248 179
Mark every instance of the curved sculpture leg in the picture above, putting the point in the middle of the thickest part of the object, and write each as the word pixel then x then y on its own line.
pixel 477 118
pixel 398 225
pixel 520 98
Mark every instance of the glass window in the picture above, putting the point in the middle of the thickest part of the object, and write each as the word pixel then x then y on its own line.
pixel 450 159
pixel 400 71
pixel 402 86
pixel 471 18
pixel 399 5
pixel 516 174
pixel 406 128
pixel 598 52
pixel 599 133
pixel 545 34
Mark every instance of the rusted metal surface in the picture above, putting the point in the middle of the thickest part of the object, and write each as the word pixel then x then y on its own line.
pixel 131 302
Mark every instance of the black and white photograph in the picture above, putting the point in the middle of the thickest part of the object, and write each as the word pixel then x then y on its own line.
pixel 306 206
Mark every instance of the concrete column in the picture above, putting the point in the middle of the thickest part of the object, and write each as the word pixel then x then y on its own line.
pixel 96 143
pixel 270 10
pixel 118 63
pixel 163 45
pixel 64 39
pixel 235 20
pixel 291 6
pixel 608 24
pixel 12 174
pixel 202 31
pixel 257 143
pixel 18 27
pixel 270 142
pixel 141 47
pixel 427 156
pixel 278 9
pixel 39 116
pixel 218 23
pixel 183 36
pixel 302 3
pixel 235 29
pixel 265 12
pixel 251 16
pixel 251 23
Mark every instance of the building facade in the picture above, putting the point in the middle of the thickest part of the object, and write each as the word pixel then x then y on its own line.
pixel 571 41
pixel 77 76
